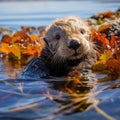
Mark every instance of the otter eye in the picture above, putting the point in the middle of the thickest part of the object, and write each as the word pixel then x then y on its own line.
pixel 82 31
pixel 57 36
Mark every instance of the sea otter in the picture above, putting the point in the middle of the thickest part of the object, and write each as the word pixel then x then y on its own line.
pixel 67 45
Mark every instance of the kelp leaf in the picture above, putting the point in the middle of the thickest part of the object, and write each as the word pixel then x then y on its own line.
pixel 98 66
pixel 29 50
pixel 105 56
pixel 106 14
pixel 101 63
pixel 103 27
pixel 6 39
pixel 34 38
pixel 113 66
pixel 15 49
pixel 5 48
pixel 96 36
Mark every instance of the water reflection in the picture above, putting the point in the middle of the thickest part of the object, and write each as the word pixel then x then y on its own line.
pixel 53 97
pixel 44 98
pixel 9 69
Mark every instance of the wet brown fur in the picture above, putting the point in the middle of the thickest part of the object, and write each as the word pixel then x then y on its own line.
pixel 58 57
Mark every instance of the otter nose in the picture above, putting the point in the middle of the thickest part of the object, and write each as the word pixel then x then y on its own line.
pixel 74 44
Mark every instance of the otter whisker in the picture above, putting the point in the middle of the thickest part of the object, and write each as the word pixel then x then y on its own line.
pixel 50 50
pixel 58 61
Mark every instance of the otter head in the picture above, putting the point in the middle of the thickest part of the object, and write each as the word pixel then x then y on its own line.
pixel 68 39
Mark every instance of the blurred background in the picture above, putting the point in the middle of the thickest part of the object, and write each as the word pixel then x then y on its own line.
pixel 15 13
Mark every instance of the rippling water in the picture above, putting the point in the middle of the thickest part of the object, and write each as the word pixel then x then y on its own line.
pixel 49 99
